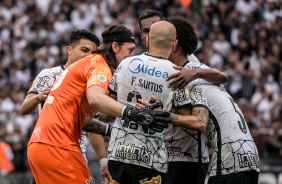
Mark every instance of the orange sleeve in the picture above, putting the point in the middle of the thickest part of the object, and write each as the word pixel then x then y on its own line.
pixel 98 73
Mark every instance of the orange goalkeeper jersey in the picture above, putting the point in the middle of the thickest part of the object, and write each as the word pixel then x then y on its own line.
pixel 67 109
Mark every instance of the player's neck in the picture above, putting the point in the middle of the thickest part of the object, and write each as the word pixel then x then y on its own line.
pixel 159 53
pixel 68 63
pixel 180 59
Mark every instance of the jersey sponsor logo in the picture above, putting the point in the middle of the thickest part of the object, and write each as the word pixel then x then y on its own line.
pixel 174 151
pixel 87 118
pixel 50 99
pixel 90 181
pixel 36 132
pixel 197 93
pixel 113 181
pixel 40 82
pixel 154 180
pixel 101 77
pixel 132 152
pixel 248 160
pixel 180 95
pixel 136 66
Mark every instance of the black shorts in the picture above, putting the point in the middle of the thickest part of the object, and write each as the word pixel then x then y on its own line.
pixel 187 172
pixel 245 177
pixel 122 173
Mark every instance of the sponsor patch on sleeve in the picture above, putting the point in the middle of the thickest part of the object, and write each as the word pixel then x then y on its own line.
pixel 102 78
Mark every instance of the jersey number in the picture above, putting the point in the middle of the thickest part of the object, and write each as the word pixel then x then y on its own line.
pixel 242 123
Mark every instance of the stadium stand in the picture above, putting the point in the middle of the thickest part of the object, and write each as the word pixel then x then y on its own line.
pixel 243 38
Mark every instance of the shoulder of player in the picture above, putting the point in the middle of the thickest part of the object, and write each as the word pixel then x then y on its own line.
pixel 49 71
pixel 95 57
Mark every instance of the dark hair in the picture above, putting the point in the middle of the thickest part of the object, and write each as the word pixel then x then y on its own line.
pixel 187 38
pixel 78 34
pixel 106 50
pixel 148 14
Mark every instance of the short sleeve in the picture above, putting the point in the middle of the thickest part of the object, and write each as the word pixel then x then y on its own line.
pixel 181 97
pixel 44 79
pixel 113 84
pixel 98 73
pixel 198 97
pixel 192 65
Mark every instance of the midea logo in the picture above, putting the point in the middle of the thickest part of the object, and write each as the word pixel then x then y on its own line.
pixel 135 69
pixel 136 65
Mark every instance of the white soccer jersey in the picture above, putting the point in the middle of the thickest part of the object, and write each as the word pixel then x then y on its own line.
pixel 140 77
pixel 46 78
pixel 183 144
pixel 193 58
pixel 228 133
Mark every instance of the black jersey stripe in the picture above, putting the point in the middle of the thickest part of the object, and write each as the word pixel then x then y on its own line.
pixel 219 143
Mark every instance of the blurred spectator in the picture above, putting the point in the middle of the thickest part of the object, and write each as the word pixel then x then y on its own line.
pixel 18 144
pixel 260 139
pixel 6 154
pixel 274 144
pixel 243 38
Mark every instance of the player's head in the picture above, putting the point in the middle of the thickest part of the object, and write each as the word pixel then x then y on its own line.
pixel 81 44
pixel 162 36
pixel 118 44
pixel 186 36
pixel 146 19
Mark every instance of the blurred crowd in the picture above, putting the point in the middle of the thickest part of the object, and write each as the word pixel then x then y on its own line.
pixel 242 38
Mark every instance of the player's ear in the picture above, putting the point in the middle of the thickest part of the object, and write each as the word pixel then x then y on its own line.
pixel 147 41
pixel 115 47
pixel 175 46
pixel 69 48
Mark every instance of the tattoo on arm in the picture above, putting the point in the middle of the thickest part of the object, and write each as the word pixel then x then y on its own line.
pixel 202 115
pixel 96 126
pixel 173 116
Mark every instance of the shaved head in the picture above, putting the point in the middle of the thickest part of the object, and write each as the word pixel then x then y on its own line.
pixel 162 35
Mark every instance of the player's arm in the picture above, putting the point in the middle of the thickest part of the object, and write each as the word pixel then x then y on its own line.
pixel 31 101
pixel 97 143
pixel 197 121
pixel 185 76
pixel 99 100
pixel 98 127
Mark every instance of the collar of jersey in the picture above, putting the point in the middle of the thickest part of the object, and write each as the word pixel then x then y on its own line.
pixel 159 57
pixel 186 63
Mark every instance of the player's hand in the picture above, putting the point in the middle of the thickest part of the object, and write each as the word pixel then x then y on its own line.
pixel 146 116
pixel 182 78
pixel 45 92
pixel 105 174
pixel 142 103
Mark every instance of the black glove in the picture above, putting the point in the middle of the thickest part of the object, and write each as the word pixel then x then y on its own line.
pixel 146 116
pixel 109 131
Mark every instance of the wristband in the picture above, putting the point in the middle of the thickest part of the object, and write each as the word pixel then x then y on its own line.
pixel 103 162
pixel 107 129
pixel 122 111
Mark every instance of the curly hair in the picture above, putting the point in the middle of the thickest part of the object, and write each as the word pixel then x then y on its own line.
pixel 106 50
pixel 78 34
pixel 187 38
pixel 148 14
